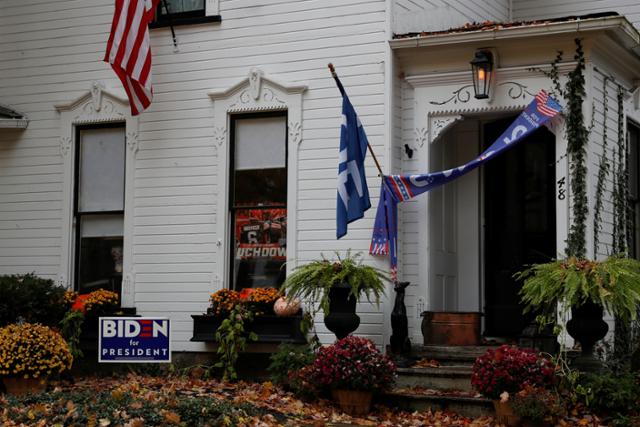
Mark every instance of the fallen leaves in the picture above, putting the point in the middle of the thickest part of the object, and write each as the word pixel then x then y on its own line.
pixel 426 363
pixel 140 401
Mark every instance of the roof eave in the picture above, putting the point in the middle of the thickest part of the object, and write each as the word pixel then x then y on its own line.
pixel 627 34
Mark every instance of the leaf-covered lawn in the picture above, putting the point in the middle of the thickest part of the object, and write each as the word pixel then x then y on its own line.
pixel 137 401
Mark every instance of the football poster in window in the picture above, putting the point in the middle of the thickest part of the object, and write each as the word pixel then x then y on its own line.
pixel 261 246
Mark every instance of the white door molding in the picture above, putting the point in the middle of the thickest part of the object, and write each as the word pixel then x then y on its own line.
pixel 441 101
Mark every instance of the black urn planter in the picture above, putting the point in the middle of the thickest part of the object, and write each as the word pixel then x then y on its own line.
pixel 587 327
pixel 342 318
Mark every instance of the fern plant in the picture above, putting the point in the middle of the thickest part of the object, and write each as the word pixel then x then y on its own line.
pixel 312 282
pixel 613 283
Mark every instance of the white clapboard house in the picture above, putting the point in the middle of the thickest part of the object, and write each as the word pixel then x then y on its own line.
pixel 244 130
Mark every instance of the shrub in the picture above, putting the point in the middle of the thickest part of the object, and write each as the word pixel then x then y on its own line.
pixel 537 404
pixel 353 363
pixel 509 369
pixel 32 351
pixel 609 394
pixel 289 358
pixel 31 299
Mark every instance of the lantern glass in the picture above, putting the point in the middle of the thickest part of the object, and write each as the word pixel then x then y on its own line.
pixel 482 69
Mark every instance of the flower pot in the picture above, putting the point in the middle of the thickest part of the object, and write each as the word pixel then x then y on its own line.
pixel 19 386
pixel 342 318
pixel 505 414
pixel 587 327
pixel 353 402
pixel 451 328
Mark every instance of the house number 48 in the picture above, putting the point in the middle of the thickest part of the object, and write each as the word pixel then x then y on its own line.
pixel 562 189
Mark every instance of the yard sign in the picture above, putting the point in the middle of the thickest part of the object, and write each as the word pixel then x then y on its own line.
pixel 134 340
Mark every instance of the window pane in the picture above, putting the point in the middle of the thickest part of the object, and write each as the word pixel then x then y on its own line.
pixel 260 143
pixel 260 187
pixel 261 247
pixel 101 170
pixel 100 257
pixel 178 6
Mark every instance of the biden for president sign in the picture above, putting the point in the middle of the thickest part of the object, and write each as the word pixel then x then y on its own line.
pixel 134 340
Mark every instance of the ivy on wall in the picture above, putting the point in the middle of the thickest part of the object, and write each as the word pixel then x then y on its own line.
pixel 620 196
pixel 577 138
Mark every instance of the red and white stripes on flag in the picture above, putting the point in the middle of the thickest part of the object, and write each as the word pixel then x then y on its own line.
pixel 128 50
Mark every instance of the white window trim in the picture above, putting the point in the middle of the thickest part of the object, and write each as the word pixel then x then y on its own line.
pixel 254 94
pixel 212 7
pixel 96 106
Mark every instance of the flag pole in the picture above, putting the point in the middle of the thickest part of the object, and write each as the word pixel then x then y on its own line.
pixel 335 76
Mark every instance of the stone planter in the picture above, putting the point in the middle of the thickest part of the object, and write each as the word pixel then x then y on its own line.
pixel 353 402
pixel 342 318
pixel 19 386
pixel 587 327
pixel 270 329
pixel 451 328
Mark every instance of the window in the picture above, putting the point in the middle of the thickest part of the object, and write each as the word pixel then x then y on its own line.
pixel 258 200
pixel 99 207
pixel 183 12
pixel 633 139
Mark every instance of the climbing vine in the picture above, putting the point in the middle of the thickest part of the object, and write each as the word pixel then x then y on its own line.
pixel 620 195
pixel 577 137
pixel 603 172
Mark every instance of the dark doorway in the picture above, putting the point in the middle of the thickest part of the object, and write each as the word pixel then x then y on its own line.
pixel 520 222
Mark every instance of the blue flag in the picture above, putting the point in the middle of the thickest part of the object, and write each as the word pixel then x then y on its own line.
pixel 353 193
pixel 398 188
pixel 385 231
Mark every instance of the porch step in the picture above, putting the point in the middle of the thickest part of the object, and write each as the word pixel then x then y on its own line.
pixel 450 355
pixel 468 406
pixel 445 377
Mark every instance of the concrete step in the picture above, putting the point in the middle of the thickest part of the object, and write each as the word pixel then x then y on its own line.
pixel 465 405
pixel 450 355
pixel 442 378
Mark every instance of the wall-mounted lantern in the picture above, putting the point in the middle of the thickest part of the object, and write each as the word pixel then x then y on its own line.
pixel 482 69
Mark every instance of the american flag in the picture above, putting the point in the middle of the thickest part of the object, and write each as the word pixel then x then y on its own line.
pixel 547 105
pixel 128 50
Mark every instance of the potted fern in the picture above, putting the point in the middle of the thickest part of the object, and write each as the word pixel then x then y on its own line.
pixel 337 286
pixel 588 287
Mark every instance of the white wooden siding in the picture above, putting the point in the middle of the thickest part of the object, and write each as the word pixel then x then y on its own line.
pixel 540 9
pixel 50 52
pixel 438 15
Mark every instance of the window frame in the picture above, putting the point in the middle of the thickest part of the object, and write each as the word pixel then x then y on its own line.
pixel 209 13
pixel 231 196
pixel 77 215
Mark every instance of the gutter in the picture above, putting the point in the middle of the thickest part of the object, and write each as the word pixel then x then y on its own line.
pixel 619 25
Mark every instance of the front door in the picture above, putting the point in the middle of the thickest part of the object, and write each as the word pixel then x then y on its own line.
pixel 519 222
